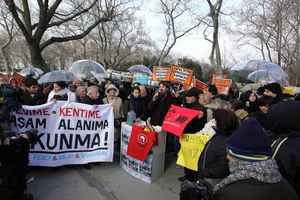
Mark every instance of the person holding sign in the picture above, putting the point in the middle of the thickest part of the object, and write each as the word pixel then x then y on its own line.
pixel 160 103
pixel 191 101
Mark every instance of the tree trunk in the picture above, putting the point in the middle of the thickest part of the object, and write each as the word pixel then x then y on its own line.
pixel 6 60
pixel 37 59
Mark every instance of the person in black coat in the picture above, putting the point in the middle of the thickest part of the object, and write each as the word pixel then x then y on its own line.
pixel 137 104
pixel 248 101
pixel 93 96
pixel 160 104
pixel 253 173
pixel 213 164
pixel 273 90
pixel 286 128
pixel 32 95
pixel 191 102
pixel 194 126
pixel 264 104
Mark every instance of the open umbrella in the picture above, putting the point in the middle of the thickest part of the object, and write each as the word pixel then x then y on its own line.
pixel 250 66
pixel 270 72
pixel 57 76
pixel 31 71
pixel 139 69
pixel 83 69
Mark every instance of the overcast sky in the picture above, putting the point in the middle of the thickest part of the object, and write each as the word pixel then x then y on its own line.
pixel 194 45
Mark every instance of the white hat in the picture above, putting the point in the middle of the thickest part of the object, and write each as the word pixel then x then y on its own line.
pixel 111 87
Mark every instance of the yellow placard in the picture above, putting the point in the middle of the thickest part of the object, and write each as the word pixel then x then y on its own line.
pixel 192 146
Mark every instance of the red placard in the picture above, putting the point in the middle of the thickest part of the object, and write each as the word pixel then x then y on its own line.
pixel 177 119
pixel 140 142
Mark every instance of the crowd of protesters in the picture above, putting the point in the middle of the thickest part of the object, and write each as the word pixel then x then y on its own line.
pixel 254 148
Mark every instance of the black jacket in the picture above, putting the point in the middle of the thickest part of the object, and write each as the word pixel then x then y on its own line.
pixel 138 105
pixel 37 99
pixel 159 107
pixel 288 160
pixel 197 123
pixel 252 189
pixel 88 100
pixel 262 118
pixel 213 162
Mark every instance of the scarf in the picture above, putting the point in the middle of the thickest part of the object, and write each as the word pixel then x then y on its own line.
pixel 263 171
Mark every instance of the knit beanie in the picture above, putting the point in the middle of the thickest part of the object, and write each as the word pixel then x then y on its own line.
pixel 249 142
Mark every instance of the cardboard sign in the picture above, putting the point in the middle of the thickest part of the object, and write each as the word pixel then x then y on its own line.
pixel 191 147
pixel 161 73
pixel 223 85
pixel 200 85
pixel 182 75
pixel 177 119
pixel 19 78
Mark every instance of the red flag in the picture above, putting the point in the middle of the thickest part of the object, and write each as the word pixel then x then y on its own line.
pixel 140 142
pixel 177 119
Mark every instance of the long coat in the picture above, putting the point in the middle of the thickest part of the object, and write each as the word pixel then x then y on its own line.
pixel 158 108
pixel 251 189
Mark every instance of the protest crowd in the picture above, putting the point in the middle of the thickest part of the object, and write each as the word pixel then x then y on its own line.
pixel 253 145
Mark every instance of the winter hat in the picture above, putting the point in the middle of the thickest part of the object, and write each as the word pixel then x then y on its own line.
pixel 285 117
pixel 29 81
pixel 193 92
pixel 249 142
pixel 111 87
pixel 274 88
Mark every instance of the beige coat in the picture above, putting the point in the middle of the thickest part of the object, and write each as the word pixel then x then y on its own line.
pixel 117 106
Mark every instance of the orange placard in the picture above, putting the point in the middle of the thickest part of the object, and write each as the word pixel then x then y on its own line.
pixel 200 85
pixel 19 78
pixel 161 73
pixel 182 75
pixel 222 85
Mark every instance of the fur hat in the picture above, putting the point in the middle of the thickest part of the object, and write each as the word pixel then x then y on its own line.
pixel 111 87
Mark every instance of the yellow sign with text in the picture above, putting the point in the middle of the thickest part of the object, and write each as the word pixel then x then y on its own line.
pixel 192 146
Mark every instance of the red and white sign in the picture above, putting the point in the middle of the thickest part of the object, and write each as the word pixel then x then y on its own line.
pixel 141 142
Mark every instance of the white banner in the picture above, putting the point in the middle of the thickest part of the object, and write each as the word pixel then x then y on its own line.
pixel 69 133
pixel 139 169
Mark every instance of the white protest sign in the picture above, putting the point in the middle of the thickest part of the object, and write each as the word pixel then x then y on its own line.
pixel 69 133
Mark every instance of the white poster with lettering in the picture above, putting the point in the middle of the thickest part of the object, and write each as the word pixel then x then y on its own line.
pixel 68 133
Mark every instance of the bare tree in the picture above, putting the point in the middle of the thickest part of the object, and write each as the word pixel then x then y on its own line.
pixel 272 27
pixel 214 18
pixel 8 26
pixel 37 21
pixel 174 12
